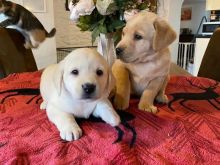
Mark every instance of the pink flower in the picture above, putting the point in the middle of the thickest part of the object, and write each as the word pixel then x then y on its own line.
pixel 83 7
pixel 130 14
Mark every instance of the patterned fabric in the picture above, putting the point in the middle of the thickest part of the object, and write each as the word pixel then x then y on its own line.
pixel 187 131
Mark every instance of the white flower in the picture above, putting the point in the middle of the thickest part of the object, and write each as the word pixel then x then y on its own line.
pixel 130 14
pixel 83 7
pixel 106 7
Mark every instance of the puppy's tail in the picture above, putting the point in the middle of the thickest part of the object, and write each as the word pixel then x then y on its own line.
pixel 51 33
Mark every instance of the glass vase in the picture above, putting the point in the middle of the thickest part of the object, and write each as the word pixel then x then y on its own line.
pixel 106 47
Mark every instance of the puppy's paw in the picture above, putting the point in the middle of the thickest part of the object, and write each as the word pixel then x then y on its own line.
pixel 27 45
pixel 120 103
pixel 43 105
pixel 147 107
pixel 162 99
pixel 70 132
pixel 114 120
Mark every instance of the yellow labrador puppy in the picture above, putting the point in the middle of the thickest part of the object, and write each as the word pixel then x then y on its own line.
pixel 144 63
pixel 77 87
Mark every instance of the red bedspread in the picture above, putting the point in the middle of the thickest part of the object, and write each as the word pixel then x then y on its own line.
pixel 187 131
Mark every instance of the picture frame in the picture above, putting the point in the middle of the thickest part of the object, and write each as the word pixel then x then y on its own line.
pixel 186 14
pixel 37 6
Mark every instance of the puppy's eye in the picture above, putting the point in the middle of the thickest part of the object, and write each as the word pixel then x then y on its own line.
pixel 75 72
pixel 138 37
pixel 99 72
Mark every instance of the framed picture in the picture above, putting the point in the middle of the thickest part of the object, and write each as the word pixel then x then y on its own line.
pixel 38 6
pixel 186 14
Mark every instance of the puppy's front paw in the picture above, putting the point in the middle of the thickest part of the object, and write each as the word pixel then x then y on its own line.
pixel 162 99
pixel 147 107
pixel 120 103
pixel 70 132
pixel 43 105
pixel 27 45
pixel 114 120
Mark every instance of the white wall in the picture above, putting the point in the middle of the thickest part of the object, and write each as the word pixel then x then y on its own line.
pixel 171 10
pixel 198 11
pixel 46 53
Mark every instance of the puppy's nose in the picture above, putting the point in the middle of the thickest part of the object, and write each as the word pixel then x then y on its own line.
pixel 88 88
pixel 119 51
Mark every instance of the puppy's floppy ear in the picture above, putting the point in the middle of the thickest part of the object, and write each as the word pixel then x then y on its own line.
pixel 164 35
pixel 58 77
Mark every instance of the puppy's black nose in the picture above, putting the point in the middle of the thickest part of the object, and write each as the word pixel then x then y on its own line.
pixel 119 51
pixel 88 88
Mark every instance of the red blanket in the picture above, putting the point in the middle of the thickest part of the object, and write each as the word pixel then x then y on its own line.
pixel 187 131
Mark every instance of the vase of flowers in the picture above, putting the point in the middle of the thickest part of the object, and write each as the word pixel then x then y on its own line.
pixel 105 19
pixel 106 47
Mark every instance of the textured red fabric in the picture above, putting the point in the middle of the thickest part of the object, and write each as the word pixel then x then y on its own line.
pixel 190 134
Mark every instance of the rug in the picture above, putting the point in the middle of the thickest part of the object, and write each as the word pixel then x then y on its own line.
pixel 186 131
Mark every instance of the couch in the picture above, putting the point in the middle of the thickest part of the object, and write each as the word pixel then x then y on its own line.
pixel 14 58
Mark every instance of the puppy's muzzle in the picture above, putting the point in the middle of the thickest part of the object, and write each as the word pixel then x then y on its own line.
pixel 88 89
pixel 119 52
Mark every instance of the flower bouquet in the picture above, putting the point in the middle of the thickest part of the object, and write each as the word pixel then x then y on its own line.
pixel 105 18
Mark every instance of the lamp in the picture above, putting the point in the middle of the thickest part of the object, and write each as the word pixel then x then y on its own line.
pixel 212 5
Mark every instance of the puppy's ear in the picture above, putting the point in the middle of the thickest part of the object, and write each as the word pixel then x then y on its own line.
pixel 164 34
pixel 58 77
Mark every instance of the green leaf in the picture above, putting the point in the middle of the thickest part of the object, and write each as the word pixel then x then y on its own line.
pixel 115 25
pixel 93 26
pixel 117 36
pixel 102 29
pixel 118 24
pixel 102 21
pixel 85 19
pixel 95 34
pixel 112 7
pixel 83 27
pixel 143 6
pixel 121 3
